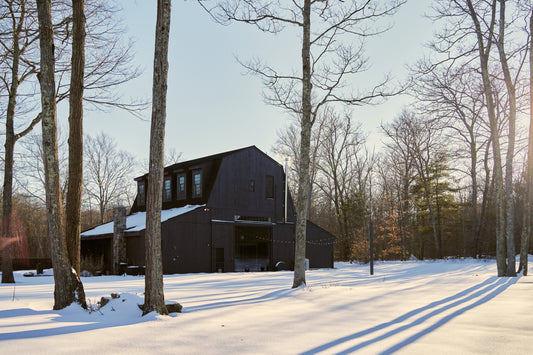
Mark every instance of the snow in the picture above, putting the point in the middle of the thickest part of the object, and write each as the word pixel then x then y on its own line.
pixel 137 221
pixel 414 307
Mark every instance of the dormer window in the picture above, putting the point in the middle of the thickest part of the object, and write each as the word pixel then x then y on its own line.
pixel 196 184
pixel 141 193
pixel 167 189
pixel 181 186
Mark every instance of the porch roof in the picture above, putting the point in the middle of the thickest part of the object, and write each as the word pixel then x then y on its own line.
pixel 137 221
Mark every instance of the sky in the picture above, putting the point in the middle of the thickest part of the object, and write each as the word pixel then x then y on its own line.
pixel 213 105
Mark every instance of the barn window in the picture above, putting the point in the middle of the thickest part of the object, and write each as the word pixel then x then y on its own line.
pixel 181 186
pixel 167 189
pixel 141 193
pixel 197 184
pixel 269 187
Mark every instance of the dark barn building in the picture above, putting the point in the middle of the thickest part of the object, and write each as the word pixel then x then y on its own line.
pixel 221 213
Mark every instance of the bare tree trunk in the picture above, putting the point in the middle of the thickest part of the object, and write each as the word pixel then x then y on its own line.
pixel 484 52
pixel 101 207
pixel 68 287
pixel 474 196
pixel 154 298
pixel 526 234
pixel 509 195
pixel 7 196
pixel 485 197
pixel 305 147
pixel 431 214
pixel 75 140
pixel 404 203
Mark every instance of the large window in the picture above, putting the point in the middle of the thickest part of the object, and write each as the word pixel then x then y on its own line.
pixel 167 189
pixel 197 184
pixel 181 187
pixel 269 187
pixel 141 193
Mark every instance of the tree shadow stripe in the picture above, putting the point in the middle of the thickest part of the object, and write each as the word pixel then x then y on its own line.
pixel 475 290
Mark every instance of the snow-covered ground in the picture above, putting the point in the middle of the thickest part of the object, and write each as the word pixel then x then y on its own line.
pixel 452 307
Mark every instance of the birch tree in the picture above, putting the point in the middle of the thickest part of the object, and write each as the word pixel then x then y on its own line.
pixel 154 299
pixel 329 59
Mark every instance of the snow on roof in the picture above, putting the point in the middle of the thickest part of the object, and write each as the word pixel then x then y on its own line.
pixel 137 221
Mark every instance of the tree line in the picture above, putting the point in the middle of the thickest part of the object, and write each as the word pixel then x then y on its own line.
pixel 454 175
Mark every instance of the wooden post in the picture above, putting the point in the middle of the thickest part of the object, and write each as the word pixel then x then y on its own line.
pixel 119 243
pixel 371 236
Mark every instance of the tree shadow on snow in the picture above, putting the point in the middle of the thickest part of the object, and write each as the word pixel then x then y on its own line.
pixel 241 300
pixel 67 322
pixel 480 294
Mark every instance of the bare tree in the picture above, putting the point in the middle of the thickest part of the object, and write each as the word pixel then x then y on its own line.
pixel 19 20
pixel 338 172
pixel 107 172
pixel 510 84
pixel 526 234
pixel 477 31
pixel 288 146
pixel 75 141
pixel 396 171
pixel 418 140
pixel 29 167
pixel 454 96
pixel 108 67
pixel 173 156
pixel 68 286
pixel 328 60
pixel 154 298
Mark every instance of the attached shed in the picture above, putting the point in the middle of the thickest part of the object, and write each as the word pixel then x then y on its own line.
pixel 221 213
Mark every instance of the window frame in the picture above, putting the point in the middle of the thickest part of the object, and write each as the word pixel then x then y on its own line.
pixel 197 190
pixel 141 196
pixel 167 194
pixel 181 194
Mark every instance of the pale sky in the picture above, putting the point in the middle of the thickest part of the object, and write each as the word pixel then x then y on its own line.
pixel 213 106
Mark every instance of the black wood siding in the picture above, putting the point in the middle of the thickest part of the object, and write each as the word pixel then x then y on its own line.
pixel 231 194
pixel 224 237
pixel 186 243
